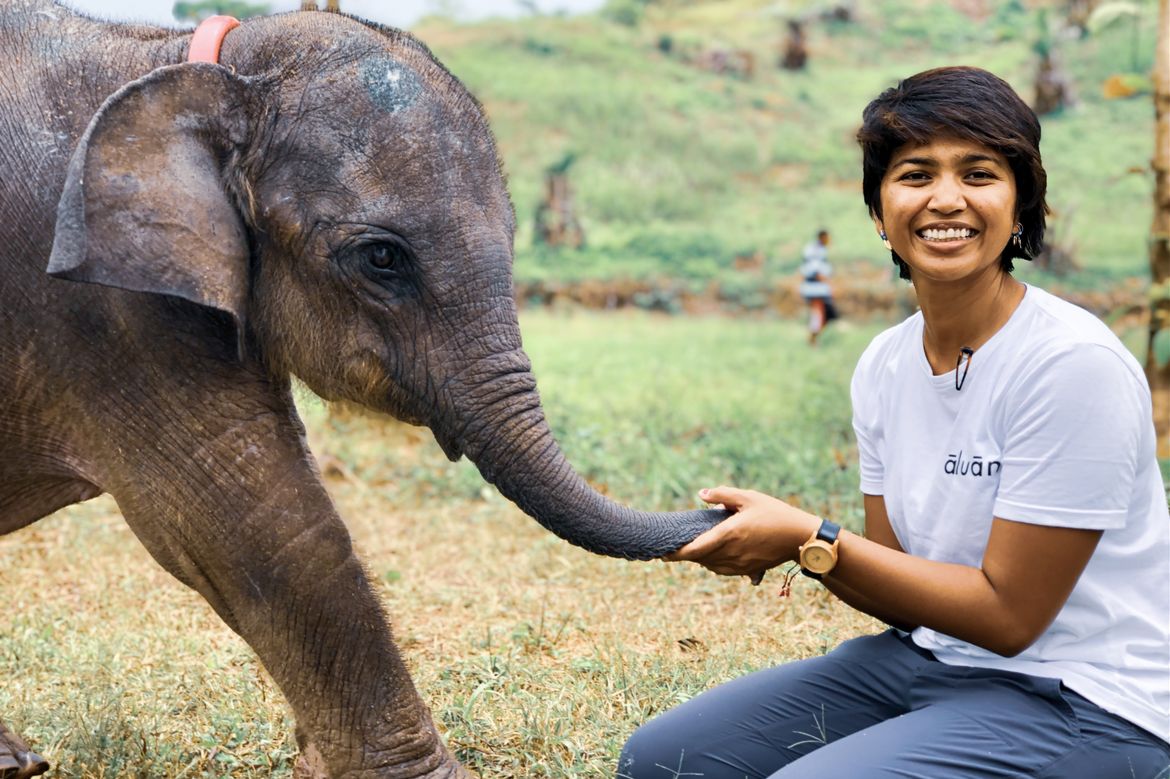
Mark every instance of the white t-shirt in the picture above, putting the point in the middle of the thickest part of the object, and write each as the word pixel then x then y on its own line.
pixel 1053 426
pixel 815 262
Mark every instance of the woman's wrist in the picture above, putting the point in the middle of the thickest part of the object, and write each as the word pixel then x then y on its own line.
pixel 804 527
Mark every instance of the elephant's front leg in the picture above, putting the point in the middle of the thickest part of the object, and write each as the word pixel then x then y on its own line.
pixel 246 522
pixel 17 761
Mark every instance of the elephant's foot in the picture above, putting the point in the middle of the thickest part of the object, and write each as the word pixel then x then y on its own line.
pixel 310 764
pixel 17 761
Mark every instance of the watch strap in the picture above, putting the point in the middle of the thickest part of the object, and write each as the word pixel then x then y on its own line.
pixel 828 531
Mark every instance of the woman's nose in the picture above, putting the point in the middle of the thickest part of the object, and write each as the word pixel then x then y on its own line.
pixel 946 196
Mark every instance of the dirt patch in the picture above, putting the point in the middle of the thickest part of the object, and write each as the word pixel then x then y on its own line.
pixel 861 292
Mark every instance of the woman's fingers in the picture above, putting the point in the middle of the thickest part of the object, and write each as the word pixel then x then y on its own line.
pixel 725 497
pixel 757 536
pixel 731 498
pixel 700 547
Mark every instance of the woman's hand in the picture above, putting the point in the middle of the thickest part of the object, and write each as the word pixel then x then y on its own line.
pixel 762 532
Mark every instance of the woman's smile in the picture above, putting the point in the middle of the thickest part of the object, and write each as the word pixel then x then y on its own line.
pixel 946 234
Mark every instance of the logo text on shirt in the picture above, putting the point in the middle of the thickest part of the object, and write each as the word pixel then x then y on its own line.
pixel 975 466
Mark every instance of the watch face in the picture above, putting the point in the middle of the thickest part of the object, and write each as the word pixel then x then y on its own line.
pixel 817 559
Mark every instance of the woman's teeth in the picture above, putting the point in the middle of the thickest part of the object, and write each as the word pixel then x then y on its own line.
pixel 950 234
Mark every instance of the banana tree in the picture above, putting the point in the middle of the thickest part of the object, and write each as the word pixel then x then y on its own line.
pixel 1158 353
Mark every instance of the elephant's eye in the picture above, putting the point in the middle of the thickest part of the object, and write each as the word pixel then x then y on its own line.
pixel 382 258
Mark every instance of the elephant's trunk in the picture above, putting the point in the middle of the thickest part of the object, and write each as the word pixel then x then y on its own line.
pixel 506 435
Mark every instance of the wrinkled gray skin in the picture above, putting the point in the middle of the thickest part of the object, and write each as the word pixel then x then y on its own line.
pixel 327 204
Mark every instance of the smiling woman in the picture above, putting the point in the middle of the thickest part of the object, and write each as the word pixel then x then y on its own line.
pixel 1006 505
pixel 953 205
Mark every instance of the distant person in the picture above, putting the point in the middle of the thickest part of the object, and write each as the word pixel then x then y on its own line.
pixel 815 271
pixel 1017 539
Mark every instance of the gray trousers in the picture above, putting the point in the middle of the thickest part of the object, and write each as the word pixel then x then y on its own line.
pixel 879 706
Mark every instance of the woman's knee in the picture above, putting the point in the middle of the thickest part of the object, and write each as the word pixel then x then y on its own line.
pixel 649 746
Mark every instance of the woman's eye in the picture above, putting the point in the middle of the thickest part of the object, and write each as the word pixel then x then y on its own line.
pixel 915 176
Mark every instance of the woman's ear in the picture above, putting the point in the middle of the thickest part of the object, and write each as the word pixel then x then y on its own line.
pixel 144 206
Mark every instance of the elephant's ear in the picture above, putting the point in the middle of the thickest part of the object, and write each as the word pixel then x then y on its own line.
pixel 145 206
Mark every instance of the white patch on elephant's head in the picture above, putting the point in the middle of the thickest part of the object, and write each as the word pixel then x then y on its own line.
pixel 390 84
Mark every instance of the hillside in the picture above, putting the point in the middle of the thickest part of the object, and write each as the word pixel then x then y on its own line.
pixel 679 170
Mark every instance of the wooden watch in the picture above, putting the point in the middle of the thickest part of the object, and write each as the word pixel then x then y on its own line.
pixel 818 555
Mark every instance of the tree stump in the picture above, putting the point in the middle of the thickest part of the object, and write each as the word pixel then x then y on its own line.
pixel 556 216
pixel 1054 90
pixel 556 219
pixel 795 55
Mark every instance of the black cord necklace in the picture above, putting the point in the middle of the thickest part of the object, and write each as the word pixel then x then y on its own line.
pixel 967 352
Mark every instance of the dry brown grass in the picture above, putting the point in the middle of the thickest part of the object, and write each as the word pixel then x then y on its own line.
pixel 537 658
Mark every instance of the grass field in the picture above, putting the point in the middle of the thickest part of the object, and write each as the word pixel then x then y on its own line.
pixel 677 170
pixel 536 658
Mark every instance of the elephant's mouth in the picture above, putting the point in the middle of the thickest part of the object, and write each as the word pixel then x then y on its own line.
pixel 447 441
pixel 450 447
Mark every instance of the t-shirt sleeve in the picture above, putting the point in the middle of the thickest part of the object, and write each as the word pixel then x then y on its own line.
pixel 863 391
pixel 1073 428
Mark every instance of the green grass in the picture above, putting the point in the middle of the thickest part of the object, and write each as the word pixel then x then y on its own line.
pixel 678 170
pixel 651 408
pixel 536 658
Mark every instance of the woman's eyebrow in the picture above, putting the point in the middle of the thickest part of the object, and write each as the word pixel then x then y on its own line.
pixel 931 162
pixel 971 159
pixel 927 162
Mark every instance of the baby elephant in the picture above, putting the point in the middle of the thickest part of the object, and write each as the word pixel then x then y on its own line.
pixel 318 198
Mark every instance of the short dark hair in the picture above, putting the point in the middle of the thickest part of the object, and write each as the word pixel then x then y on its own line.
pixel 967 103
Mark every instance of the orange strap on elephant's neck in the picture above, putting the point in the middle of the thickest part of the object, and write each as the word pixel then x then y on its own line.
pixel 208 38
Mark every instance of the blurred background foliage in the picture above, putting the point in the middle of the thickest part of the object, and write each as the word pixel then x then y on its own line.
pixel 198 10
pixel 693 147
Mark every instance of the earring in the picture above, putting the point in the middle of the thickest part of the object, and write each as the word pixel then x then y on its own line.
pixel 885 240
pixel 1017 236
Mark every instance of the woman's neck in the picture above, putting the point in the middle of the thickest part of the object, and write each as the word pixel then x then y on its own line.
pixel 966 315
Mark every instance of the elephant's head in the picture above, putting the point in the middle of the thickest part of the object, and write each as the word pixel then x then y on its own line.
pixel 337 193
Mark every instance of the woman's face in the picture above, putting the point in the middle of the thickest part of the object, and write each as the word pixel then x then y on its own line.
pixel 948 209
